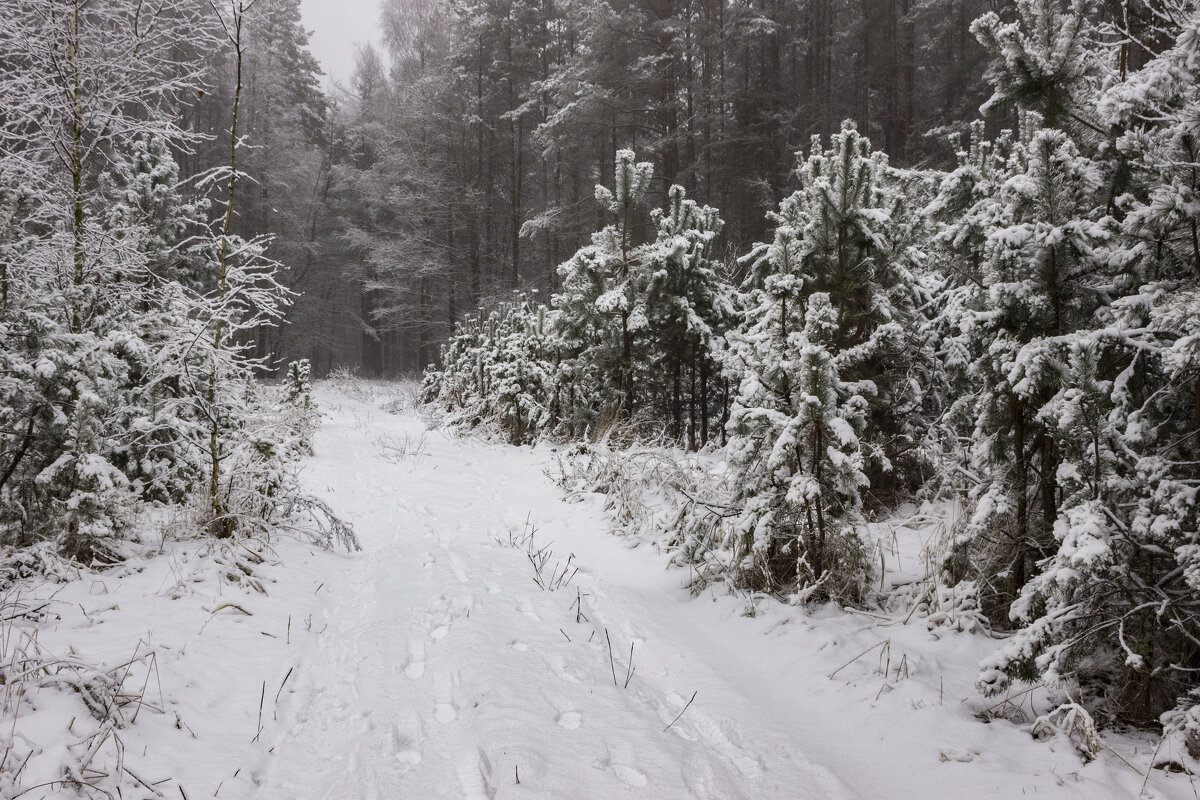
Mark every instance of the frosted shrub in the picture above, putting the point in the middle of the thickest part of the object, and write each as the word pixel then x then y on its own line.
pixel 499 369
pixel 299 406
pixel 1073 721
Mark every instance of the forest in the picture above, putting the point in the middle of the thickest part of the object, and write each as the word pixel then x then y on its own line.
pixel 824 259
pixel 1001 305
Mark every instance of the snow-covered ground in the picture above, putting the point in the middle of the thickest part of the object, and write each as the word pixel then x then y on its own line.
pixel 479 647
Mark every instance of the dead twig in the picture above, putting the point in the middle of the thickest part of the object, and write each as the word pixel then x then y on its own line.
pixel 680 714
pixel 611 661
pixel 857 657
pixel 629 668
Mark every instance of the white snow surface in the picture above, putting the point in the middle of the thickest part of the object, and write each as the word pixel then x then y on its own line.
pixel 433 665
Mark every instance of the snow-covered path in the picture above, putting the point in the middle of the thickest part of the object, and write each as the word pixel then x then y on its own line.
pixel 439 667
pixel 432 664
pixel 446 671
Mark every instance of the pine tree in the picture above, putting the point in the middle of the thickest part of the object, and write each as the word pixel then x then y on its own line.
pixel 1039 283
pixel 1067 608
pixel 601 306
pixel 1087 414
pixel 499 369
pixel 687 309
pixel 1041 61
pixel 149 217
pixel 90 82
pixel 966 206
pixel 795 451
pixel 842 233
pixel 1111 613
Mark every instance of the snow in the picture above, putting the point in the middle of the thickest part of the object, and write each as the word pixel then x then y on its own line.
pixel 433 664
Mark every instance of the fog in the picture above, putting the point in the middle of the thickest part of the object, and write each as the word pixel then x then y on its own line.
pixel 337 27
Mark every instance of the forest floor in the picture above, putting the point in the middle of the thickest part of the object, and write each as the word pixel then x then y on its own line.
pixel 480 647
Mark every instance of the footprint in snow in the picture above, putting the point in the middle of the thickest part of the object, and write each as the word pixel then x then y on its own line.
pixel 475 775
pixel 445 713
pixel 444 709
pixel 457 606
pixel 526 608
pixel 724 739
pixel 519 646
pixel 570 720
pixel 630 776
pixel 440 632
pixel 456 566
pixel 617 763
pixel 406 743
pixel 559 665
pixel 416 658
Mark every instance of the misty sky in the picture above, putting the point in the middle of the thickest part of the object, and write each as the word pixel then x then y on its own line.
pixel 337 25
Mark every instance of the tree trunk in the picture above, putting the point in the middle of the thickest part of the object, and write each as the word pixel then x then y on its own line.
pixel 692 404
pixel 221 525
pixel 517 180
pixel 76 170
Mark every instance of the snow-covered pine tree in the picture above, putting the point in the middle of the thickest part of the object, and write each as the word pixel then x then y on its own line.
pixel 966 206
pixel 499 368
pixel 1041 60
pixel 299 406
pixel 794 447
pixel 1040 285
pixel 601 306
pixel 1035 240
pixel 843 232
pixel 687 308
pixel 841 253
pixel 149 214
pixel 1158 331
pixel 71 310
pixel 1087 411
pixel 1112 613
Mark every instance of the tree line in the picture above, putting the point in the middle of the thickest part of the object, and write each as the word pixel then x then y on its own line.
pixel 465 150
